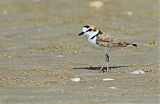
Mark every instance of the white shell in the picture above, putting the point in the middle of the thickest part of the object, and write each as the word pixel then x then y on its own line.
pixel 138 72
pixel 113 87
pixel 96 4
pixel 129 13
pixel 75 79
pixel 107 79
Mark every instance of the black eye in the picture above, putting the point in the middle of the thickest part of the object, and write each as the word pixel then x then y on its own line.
pixel 94 29
pixel 86 26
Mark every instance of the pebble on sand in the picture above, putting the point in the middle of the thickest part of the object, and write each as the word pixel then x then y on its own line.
pixel 129 13
pixel 5 12
pixel 96 4
pixel 59 56
pixel 138 72
pixel 75 79
pixel 91 88
pixel 114 88
pixel 107 79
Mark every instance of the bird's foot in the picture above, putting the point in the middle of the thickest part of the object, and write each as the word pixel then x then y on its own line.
pixel 104 70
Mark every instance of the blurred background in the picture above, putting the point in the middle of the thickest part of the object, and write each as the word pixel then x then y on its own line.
pixel 30 28
pixel 40 51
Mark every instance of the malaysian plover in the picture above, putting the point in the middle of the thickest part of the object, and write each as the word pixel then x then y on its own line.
pixel 101 41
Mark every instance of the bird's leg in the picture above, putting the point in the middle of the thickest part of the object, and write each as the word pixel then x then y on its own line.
pixel 106 61
pixel 102 66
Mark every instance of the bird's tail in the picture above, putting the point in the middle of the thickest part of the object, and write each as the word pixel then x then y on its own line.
pixel 125 44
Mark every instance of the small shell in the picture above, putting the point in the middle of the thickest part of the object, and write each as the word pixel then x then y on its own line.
pixel 59 56
pixel 113 87
pixel 5 12
pixel 138 72
pixel 96 4
pixel 75 79
pixel 91 88
pixel 107 79
pixel 129 13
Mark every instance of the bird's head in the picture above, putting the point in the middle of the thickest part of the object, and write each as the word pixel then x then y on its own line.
pixel 89 30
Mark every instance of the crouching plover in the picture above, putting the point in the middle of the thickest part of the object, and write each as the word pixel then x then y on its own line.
pixel 102 42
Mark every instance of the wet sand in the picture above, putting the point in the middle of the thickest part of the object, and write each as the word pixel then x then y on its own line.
pixel 40 52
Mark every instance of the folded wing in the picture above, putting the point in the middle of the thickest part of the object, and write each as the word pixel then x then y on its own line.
pixel 110 41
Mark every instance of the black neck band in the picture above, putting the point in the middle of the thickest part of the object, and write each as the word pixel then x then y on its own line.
pixel 96 34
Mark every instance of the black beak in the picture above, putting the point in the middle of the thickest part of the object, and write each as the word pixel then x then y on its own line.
pixel 100 32
pixel 80 33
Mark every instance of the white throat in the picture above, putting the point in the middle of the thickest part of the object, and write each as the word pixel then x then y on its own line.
pixel 90 34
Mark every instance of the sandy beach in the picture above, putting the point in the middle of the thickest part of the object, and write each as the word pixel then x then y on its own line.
pixel 41 53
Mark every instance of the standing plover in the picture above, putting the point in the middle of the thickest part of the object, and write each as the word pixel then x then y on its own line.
pixel 102 42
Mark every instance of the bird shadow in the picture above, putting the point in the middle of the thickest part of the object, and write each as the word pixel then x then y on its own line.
pixel 98 68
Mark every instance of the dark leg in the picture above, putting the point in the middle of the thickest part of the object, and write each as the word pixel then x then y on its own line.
pixel 106 61
pixel 106 57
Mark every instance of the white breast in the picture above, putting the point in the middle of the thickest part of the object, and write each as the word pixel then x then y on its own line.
pixel 93 43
